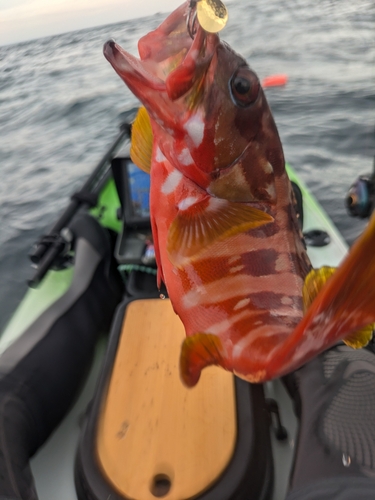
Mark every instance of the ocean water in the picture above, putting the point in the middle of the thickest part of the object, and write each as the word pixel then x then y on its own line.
pixel 61 104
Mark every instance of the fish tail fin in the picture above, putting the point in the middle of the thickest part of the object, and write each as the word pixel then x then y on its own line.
pixel 343 309
pixel 197 352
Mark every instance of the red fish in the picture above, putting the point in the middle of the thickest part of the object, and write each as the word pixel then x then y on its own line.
pixel 228 242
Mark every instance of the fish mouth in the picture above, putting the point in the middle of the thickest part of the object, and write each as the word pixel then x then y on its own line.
pixel 170 63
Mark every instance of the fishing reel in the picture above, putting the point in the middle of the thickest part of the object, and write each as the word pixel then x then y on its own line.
pixel 360 200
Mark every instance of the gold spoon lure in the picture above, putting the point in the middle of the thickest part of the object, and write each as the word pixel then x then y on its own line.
pixel 212 15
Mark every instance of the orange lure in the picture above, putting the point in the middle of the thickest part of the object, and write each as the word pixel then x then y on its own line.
pixel 228 243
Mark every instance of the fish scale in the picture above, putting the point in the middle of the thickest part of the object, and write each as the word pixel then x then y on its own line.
pixel 209 291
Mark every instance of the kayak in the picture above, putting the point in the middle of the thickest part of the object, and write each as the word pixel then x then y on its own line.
pixel 71 345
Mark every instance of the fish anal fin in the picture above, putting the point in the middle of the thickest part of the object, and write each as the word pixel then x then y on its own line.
pixel 142 140
pixel 361 337
pixel 207 222
pixel 314 282
pixel 197 352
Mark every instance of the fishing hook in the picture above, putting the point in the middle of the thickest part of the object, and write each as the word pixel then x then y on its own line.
pixel 192 18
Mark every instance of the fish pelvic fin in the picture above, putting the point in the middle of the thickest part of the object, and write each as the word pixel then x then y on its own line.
pixel 142 141
pixel 314 282
pixel 197 352
pixel 206 222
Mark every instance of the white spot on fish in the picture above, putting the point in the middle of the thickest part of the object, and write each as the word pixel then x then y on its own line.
pixel 158 121
pixel 231 286
pixel 185 157
pixel 194 54
pixel 191 299
pixel 226 324
pixel 282 263
pixel 195 128
pixel 268 168
pixel 242 303
pixel 270 188
pixel 234 259
pixel 187 202
pixel 171 182
pixel 159 157
pixel 216 204
pixel 236 269
pixel 287 301
pixel 221 327
pixel 245 342
pixel 218 138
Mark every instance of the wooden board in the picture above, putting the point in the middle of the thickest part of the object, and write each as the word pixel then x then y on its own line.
pixel 156 438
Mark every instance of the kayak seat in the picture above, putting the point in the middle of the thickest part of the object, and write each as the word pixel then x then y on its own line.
pixel 43 369
pixel 147 436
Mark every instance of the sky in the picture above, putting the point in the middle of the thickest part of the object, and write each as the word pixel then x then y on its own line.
pixel 29 19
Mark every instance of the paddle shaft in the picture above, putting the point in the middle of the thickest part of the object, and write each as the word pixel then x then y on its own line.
pixel 45 251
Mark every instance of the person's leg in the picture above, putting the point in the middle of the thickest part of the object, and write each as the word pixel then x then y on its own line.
pixel 334 398
pixel 43 370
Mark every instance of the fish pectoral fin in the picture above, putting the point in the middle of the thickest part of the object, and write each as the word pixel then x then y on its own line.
pixel 207 222
pixel 360 338
pixel 197 352
pixel 142 140
pixel 314 282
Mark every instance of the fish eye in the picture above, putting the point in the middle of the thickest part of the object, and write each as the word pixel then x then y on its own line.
pixel 244 87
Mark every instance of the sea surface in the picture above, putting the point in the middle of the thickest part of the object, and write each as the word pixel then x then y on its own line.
pixel 61 105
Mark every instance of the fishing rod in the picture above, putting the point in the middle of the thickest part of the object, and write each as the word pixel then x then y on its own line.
pixel 57 241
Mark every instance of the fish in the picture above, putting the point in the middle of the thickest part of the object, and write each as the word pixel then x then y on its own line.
pixel 227 238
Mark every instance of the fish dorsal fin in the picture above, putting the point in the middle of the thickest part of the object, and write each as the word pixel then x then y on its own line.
pixel 314 282
pixel 142 139
pixel 207 221
pixel 197 352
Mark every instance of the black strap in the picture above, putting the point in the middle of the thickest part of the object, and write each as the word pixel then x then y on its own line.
pixel 91 199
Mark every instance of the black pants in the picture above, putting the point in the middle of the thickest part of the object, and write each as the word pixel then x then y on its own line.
pixel 334 398
pixel 42 371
